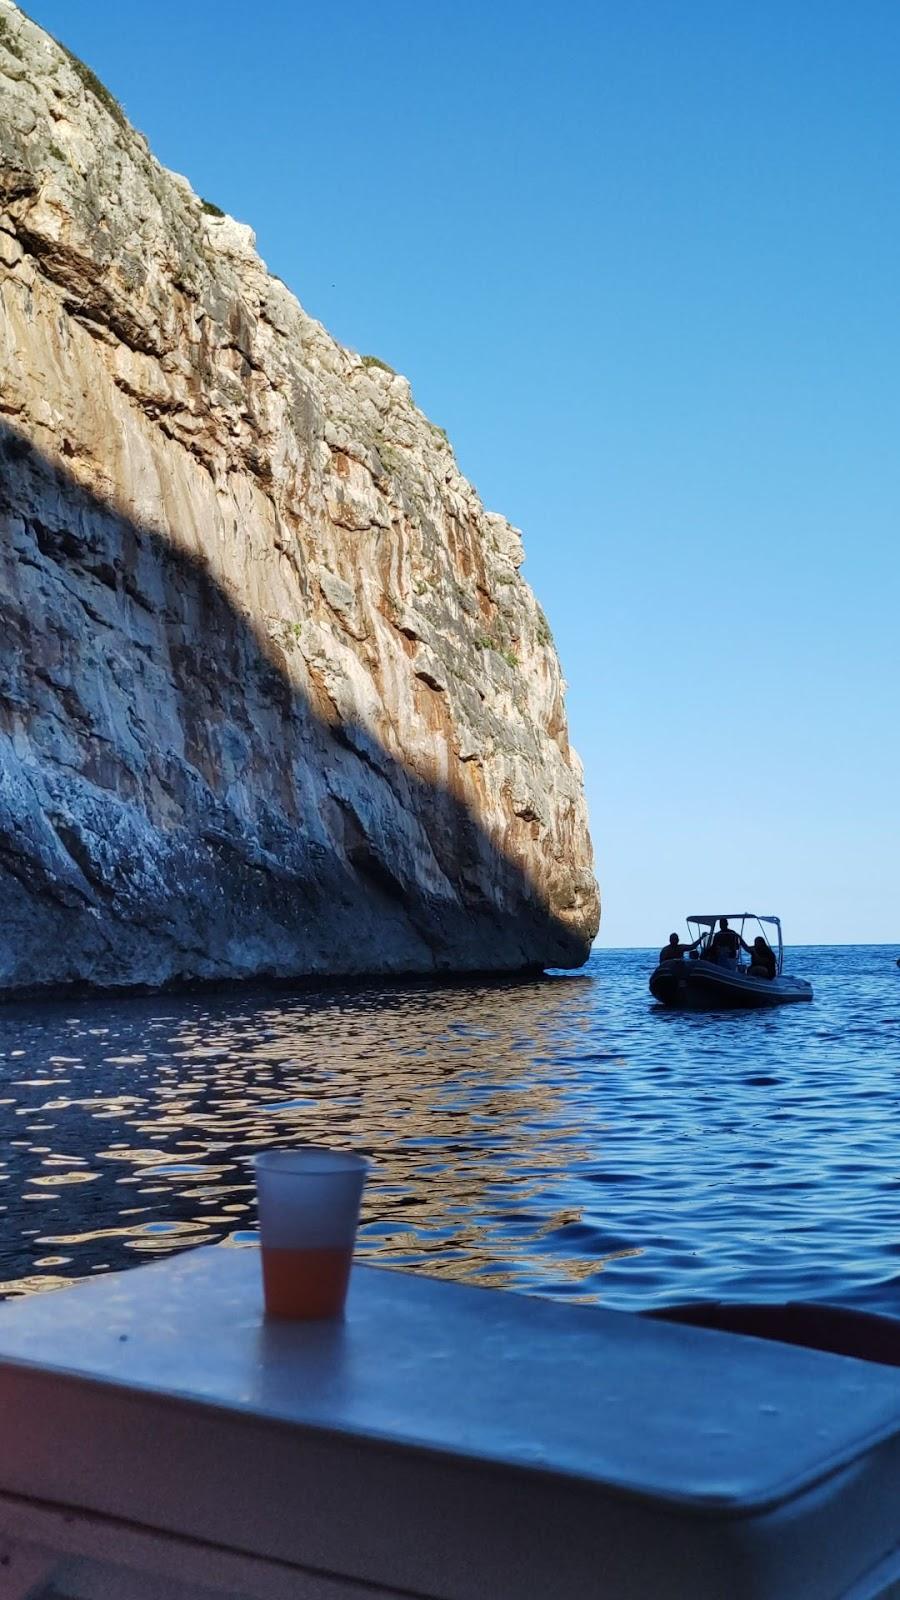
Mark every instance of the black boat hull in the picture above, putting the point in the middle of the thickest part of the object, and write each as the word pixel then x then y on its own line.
pixel 703 986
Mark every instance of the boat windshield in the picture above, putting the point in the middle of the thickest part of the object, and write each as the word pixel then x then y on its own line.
pixel 748 924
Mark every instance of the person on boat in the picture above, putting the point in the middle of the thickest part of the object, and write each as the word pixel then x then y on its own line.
pixel 762 959
pixel 724 945
pixel 673 951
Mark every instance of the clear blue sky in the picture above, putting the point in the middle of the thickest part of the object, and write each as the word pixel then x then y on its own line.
pixel 641 261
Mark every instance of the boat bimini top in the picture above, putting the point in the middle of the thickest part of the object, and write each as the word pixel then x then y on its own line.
pixel 742 917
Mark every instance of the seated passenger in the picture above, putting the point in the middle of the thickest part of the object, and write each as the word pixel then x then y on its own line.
pixel 762 959
pixel 724 945
pixel 673 951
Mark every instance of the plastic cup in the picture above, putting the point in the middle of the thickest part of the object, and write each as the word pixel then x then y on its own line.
pixel 308 1211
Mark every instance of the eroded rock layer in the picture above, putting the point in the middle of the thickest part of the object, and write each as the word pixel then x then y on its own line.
pixel 274 697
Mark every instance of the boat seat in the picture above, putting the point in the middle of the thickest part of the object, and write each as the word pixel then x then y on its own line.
pixel 161 1438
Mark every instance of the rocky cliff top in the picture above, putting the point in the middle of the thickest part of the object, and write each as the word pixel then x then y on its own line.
pixel 248 596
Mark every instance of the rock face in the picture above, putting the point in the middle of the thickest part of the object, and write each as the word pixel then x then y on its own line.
pixel 274 698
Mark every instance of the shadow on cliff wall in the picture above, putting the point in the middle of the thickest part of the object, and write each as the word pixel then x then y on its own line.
pixel 179 811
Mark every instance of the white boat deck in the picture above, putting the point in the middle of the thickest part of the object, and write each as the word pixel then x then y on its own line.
pixel 159 1439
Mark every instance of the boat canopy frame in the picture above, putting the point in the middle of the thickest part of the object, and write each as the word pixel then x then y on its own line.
pixel 742 917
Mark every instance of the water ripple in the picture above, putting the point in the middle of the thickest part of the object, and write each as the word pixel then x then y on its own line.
pixel 562 1136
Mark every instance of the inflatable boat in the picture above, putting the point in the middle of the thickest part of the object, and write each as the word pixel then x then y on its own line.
pixel 708 977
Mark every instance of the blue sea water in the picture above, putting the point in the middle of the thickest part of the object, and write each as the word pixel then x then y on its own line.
pixel 564 1136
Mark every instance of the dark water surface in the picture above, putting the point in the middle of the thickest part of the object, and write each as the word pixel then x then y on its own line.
pixel 563 1137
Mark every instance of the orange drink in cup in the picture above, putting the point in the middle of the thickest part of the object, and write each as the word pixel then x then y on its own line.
pixel 308 1211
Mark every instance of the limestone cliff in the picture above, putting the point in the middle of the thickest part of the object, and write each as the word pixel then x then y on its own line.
pixel 274 697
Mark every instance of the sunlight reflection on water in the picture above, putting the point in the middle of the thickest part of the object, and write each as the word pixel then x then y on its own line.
pixel 562 1136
